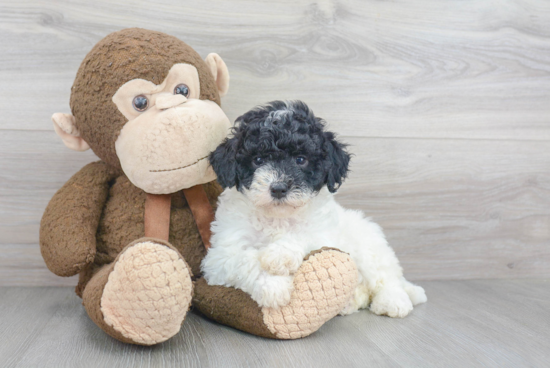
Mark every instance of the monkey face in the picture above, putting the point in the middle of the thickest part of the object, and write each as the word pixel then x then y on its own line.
pixel 158 134
pixel 165 144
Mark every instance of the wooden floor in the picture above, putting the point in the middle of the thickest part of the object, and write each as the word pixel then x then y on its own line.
pixel 485 323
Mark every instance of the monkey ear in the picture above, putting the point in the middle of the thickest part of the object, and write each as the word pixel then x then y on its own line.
pixel 219 71
pixel 65 127
pixel 337 162
pixel 224 164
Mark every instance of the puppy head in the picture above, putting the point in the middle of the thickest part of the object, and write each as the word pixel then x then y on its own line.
pixel 280 156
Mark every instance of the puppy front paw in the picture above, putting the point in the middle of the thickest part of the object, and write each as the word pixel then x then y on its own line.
pixel 280 261
pixel 273 291
pixel 392 302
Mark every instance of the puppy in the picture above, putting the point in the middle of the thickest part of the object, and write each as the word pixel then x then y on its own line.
pixel 280 170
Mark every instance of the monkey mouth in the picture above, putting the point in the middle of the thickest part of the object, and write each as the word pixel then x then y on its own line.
pixel 181 167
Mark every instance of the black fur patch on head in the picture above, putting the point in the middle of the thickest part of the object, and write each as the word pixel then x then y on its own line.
pixel 278 133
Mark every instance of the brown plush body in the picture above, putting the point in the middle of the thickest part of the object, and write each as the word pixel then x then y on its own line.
pixel 122 222
pixel 138 289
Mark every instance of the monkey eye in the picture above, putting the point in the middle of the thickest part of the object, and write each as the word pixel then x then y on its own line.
pixel 258 161
pixel 301 160
pixel 182 89
pixel 140 103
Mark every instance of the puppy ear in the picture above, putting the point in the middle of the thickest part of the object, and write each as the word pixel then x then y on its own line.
pixel 337 162
pixel 224 163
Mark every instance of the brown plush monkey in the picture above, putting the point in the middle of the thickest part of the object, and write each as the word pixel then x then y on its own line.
pixel 135 225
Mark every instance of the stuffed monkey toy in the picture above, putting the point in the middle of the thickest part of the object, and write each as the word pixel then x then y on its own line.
pixel 136 224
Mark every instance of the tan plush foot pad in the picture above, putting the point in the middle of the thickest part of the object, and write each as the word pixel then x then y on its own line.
pixel 148 293
pixel 323 287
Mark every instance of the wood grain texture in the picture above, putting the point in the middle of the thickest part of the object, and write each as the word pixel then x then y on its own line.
pixel 491 323
pixel 460 69
pixel 455 209
pixel 446 105
pixel 452 209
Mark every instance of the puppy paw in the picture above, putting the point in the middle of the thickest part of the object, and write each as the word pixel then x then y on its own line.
pixel 350 308
pixel 280 261
pixel 273 291
pixel 416 294
pixel 392 302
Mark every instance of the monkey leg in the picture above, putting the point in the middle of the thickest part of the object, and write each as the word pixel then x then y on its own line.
pixel 323 286
pixel 143 296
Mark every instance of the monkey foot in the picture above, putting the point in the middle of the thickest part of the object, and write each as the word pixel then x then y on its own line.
pixel 147 294
pixel 323 286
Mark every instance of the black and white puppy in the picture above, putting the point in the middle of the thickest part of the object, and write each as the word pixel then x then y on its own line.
pixel 280 169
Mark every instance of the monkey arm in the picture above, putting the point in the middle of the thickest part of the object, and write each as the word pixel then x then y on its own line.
pixel 69 224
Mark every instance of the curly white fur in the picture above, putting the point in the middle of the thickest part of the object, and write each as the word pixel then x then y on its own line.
pixel 257 248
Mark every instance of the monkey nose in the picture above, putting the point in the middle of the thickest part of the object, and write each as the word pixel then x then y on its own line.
pixel 167 100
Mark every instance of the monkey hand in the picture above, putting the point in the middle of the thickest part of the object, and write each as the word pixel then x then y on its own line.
pixel 69 225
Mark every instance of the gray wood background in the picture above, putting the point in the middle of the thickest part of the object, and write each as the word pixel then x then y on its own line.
pixel 446 105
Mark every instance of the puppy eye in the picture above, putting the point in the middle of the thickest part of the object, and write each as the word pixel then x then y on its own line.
pixel 140 103
pixel 182 89
pixel 258 161
pixel 301 160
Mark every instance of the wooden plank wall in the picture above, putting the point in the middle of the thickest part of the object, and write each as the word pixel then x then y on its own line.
pixel 446 105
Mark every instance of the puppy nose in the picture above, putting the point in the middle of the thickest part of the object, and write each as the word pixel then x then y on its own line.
pixel 279 189
pixel 167 100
